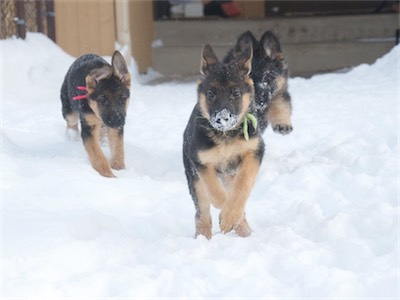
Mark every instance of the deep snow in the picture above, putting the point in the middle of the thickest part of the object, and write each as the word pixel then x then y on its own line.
pixel 324 209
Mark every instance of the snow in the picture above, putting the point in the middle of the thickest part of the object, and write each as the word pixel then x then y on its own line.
pixel 324 210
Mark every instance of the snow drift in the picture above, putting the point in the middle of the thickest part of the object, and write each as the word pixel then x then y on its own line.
pixel 324 209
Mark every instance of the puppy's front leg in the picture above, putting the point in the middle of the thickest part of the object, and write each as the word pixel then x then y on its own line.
pixel 232 213
pixel 202 203
pixel 116 140
pixel 278 114
pixel 91 140
pixel 208 189
pixel 214 186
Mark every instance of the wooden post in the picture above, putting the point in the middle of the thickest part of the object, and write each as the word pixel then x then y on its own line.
pixel 20 19
pixel 51 25
pixel 142 32
pixel 122 28
pixel 39 16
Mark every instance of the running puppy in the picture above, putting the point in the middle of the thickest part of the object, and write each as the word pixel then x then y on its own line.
pixel 96 94
pixel 270 75
pixel 222 148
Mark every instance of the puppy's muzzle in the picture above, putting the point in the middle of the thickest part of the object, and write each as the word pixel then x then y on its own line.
pixel 114 120
pixel 223 120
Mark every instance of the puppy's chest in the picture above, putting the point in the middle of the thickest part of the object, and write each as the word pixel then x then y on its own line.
pixel 227 157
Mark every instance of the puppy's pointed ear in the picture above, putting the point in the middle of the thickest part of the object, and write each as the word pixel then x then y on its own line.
pixel 244 61
pixel 208 59
pixel 96 75
pixel 120 68
pixel 270 46
pixel 245 40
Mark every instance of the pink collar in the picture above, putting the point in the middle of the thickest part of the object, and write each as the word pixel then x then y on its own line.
pixel 79 97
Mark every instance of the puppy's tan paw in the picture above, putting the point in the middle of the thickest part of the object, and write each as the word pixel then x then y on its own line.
pixel 117 165
pixel 104 170
pixel 229 218
pixel 243 229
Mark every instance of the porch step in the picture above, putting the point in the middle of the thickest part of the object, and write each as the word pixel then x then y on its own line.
pixel 312 44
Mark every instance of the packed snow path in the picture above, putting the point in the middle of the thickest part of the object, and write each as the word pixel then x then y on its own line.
pixel 324 209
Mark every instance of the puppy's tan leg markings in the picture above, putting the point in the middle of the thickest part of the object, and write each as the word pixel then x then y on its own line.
pixel 214 186
pixel 278 115
pixel 72 121
pixel 203 216
pixel 92 146
pixel 116 141
pixel 232 213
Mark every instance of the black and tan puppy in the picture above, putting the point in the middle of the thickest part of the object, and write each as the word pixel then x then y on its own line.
pixel 97 94
pixel 270 76
pixel 222 150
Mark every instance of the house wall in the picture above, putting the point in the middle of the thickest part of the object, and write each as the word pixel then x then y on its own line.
pixel 89 26
pixel 85 26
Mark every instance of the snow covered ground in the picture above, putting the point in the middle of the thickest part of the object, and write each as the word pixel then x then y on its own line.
pixel 324 209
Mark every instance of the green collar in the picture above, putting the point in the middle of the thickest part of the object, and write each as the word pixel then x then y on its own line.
pixel 248 117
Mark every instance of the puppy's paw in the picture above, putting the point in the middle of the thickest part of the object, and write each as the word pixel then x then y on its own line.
pixel 117 165
pixel 104 170
pixel 107 173
pixel 72 134
pixel 204 231
pixel 243 229
pixel 282 128
pixel 229 219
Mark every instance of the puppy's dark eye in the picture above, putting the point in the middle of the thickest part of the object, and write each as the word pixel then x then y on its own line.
pixel 122 101
pixel 236 93
pixel 101 100
pixel 210 95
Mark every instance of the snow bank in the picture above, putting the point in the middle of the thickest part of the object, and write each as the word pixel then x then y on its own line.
pixel 324 209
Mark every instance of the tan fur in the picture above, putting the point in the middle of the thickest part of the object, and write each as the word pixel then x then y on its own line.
pixel 231 198
pixel 243 229
pixel 203 106
pixel 90 84
pixel 281 83
pixel 72 121
pixel 246 101
pixel 279 112
pixel 232 213
pixel 93 105
pixel 92 146
pixel 127 80
pixel 226 151
pixel 216 192
pixel 203 220
pixel 117 149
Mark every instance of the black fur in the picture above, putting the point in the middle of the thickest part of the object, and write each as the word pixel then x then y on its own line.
pixel 223 87
pixel 110 93
pixel 268 65
pixel 107 88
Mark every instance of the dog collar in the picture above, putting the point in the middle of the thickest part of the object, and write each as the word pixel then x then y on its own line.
pixel 79 97
pixel 248 117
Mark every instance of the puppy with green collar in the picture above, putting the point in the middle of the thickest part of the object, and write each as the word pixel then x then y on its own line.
pixel 223 148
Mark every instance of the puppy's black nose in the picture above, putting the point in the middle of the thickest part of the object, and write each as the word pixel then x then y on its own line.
pixel 114 122
pixel 223 120
pixel 223 117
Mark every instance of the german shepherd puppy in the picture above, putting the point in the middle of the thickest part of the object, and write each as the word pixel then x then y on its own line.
pixel 220 163
pixel 270 75
pixel 97 94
